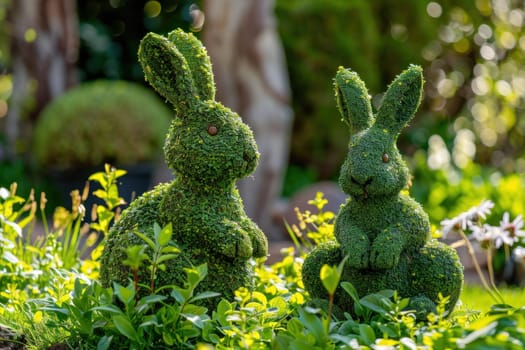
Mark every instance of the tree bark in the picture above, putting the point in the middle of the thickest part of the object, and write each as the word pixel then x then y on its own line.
pixel 251 78
pixel 44 50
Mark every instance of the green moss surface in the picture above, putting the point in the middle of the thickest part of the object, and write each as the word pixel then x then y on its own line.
pixel 384 233
pixel 209 148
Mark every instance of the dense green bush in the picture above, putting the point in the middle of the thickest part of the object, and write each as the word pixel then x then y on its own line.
pixel 78 129
pixel 73 311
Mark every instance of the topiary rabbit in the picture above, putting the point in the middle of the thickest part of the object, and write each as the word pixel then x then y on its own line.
pixel 384 233
pixel 208 147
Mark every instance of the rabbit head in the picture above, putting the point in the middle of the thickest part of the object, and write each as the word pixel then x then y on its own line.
pixel 206 142
pixel 373 167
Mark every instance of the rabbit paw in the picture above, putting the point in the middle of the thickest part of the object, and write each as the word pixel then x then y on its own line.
pixel 386 250
pixel 238 246
pixel 358 255
pixel 381 258
pixel 244 247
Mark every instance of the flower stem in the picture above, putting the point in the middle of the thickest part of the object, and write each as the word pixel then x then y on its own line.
pixel 477 267
pixel 491 275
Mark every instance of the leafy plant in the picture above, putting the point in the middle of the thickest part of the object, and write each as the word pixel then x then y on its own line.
pixel 71 309
pixel 312 228
pixel 163 250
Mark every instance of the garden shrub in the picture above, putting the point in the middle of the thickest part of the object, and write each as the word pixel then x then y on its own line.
pixel 383 234
pixel 209 148
pixel 78 129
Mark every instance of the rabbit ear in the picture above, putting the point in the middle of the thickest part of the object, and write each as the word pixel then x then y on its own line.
pixel 198 61
pixel 353 100
pixel 167 70
pixel 401 100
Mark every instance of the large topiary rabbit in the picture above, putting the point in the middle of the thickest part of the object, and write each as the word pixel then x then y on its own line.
pixel 384 233
pixel 209 148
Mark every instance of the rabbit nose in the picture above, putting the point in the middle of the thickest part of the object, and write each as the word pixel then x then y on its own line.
pixel 364 183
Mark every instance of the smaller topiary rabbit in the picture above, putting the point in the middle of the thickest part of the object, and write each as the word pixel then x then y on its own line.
pixel 208 147
pixel 384 233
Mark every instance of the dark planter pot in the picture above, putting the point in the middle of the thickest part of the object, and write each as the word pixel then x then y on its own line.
pixel 136 181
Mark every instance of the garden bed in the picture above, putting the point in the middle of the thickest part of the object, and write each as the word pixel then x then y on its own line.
pixel 51 299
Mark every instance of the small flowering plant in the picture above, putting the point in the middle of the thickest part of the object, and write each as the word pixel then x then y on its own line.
pixel 509 236
pixel 312 229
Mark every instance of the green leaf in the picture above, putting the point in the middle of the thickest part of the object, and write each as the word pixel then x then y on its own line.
pixel 280 304
pixel 100 194
pixel 145 238
pixel 108 308
pixel 313 323
pixel 99 177
pixel 150 299
pixel 104 213
pixel 295 327
pixel 167 338
pixel 135 256
pixel 150 320
pixel 166 257
pixel 192 309
pixel 180 294
pixel 195 275
pixel 164 236
pixel 125 294
pixel 350 289
pixel 367 334
pixel 330 278
pixel 374 303
pixel 205 295
pixel 223 309
pixel 170 250
pixel 104 342
pixel 143 304
pixel 119 173
pixel 125 327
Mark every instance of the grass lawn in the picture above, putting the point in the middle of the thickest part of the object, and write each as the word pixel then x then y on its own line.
pixel 475 297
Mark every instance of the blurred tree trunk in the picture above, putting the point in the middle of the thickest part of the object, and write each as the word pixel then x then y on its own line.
pixel 44 49
pixel 251 77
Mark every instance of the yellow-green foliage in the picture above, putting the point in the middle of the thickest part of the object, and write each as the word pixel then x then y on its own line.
pixel 384 233
pixel 101 121
pixel 209 148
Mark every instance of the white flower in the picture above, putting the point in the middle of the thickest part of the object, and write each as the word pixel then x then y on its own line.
pixel 519 253
pixel 514 228
pixel 449 225
pixel 466 219
pixel 482 210
pixel 82 210
pixel 486 234
pixel 501 237
pixel 4 193
pixel 481 234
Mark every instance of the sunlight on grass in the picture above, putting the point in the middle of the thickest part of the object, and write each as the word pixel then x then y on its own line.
pixel 474 297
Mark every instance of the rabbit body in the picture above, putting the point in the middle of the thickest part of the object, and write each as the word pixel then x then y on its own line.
pixel 383 233
pixel 209 148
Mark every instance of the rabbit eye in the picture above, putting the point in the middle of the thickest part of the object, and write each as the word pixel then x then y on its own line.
pixel 212 130
pixel 386 158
